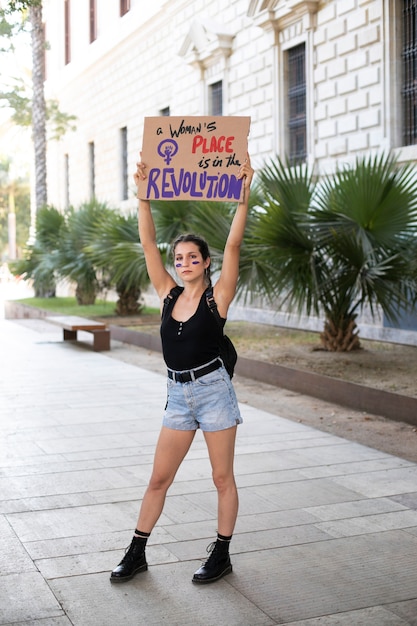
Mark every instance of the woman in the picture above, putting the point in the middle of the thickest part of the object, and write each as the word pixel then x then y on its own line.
pixel 200 393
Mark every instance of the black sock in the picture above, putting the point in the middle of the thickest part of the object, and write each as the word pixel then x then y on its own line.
pixel 141 535
pixel 224 537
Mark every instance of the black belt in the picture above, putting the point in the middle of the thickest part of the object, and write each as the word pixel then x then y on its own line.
pixel 189 375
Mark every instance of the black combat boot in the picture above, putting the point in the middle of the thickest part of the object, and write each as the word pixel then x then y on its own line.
pixel 133 562
pixel 217 565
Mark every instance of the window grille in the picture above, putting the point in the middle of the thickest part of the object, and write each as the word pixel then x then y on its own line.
pixel 216 98
pixel 297 112
pixel 409 66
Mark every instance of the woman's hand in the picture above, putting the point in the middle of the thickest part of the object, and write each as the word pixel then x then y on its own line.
pixel 246 172
pixel 140 173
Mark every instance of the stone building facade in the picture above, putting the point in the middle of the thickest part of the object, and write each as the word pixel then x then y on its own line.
pixel 322 80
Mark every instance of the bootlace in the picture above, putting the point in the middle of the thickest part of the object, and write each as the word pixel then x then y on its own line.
pixel 211 551
pixel 215 553
pixel 132 551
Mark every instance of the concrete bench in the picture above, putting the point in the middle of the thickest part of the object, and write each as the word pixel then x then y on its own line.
pixel 72 324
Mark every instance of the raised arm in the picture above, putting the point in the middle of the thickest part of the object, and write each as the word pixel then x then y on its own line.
pixel 160 278
pixel 225 288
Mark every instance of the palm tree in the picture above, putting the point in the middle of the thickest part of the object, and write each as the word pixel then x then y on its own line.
pixel 39 262
pixel 73 260
pixel 117 251
pixel 212 221
pixel 334 246
pixel 38 104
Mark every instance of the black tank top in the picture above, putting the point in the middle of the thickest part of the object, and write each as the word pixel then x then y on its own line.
pixel 187 345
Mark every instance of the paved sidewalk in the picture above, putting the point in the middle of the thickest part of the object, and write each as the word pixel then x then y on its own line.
pixel 327 531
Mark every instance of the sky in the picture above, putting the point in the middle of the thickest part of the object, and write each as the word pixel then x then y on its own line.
pixel 15 142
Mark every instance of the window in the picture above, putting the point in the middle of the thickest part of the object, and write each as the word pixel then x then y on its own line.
pixel 124 174
pixel 296 103
pixel 216 98
pixel 409 71
pixel 93 21
pixel 67 11
pixel 124 7
pixel 92 169
pixel 165 112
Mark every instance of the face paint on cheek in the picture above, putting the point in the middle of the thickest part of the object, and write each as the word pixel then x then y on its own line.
pixel 195 262
pixel 178 264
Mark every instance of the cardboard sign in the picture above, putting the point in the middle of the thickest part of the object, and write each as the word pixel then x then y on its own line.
pixel 194 158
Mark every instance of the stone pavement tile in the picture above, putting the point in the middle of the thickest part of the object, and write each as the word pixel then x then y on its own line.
pixel 251 464
pixel 249 435
pixel 408 499
pixel 50 467
pixel 94 562
pixel 341 469
pixel 407 610
pixel 345 510
pixel 13 557
pixel 302 494
pixel 244 524
pixel 47 502
pixel 345 452
pixel 269 478
pixel 329 577
pixel 126 455
pixel 9 453
pixel 51 484
pixel 184 509
pixel 251 542
pixel 87 544
pixel 52 621
pixel 162 595
pixel 375 616
pixel 26 597
pixel 369 524
pixel 287 441
pixel 384 483
pixel 73 521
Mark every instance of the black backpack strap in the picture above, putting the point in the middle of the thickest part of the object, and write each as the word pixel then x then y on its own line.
pixel 211 303
pixel 171 298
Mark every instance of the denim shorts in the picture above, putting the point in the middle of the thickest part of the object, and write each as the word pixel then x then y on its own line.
pixel 209 403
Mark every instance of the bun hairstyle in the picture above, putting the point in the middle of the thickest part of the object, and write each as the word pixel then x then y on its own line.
pixel 201 245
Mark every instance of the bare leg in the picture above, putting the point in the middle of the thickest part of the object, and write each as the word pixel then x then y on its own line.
pixel 170 451
pixel 221 448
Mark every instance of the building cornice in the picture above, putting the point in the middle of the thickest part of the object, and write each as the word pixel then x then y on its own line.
pixel 206 43
pixel 277 15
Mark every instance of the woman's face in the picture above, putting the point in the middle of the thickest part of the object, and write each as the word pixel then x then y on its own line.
pixel 188 261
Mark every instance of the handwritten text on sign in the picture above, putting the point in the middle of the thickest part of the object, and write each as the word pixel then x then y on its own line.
pixel 194 158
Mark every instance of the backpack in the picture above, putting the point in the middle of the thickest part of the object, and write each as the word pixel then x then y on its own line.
pixel 228 352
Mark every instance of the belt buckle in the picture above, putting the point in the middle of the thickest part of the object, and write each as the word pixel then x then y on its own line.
pixel 184 377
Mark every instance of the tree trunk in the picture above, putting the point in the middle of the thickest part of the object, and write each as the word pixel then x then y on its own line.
pixel 341 336
pixel 85 293
pixel 38 105
pixel 128 302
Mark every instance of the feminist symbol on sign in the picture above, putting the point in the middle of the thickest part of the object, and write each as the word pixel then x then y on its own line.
pixel 167 149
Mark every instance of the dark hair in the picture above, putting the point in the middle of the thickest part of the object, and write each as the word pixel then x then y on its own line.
pixel 201 244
